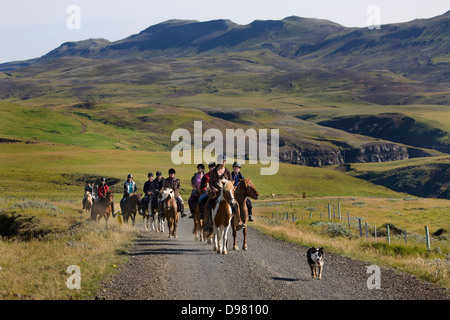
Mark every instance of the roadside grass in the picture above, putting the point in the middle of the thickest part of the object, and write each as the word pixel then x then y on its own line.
pixel 36 269
pixel 410 214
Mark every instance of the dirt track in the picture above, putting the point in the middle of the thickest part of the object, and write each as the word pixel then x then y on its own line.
pixel 182 268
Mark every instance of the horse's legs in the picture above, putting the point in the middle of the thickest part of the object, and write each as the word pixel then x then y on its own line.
pixel 169 224
pixel 235 246
pixel 225 239
pixel 244 247
pixel 215 239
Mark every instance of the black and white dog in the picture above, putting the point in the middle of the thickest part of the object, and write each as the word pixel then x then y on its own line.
pixel 315 261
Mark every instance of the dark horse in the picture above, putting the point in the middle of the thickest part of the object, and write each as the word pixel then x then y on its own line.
pixel 244 189
pixel 130 206
pixel 103 208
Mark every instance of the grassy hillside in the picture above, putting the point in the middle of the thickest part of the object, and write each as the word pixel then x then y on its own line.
pixel 57 172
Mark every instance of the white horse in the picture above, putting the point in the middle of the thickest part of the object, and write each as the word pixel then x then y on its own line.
pixel 157 222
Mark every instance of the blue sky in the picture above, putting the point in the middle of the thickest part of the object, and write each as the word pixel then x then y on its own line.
pixel 29 29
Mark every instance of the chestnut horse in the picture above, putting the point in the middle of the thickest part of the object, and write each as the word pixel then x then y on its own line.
pixel 222 214
pixel 194 207
pixel 103 208
pixel 170 211
pixel 244 189
pixel 130 207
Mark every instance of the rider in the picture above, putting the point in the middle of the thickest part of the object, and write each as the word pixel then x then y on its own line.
pixel 155 188
pixel 204 189
pixel 237 176
pixel 195 183
pixel 175 184
pixel 216 175
pixel 102 189
pixel 128 188
pixel 89 189
pixel 147 190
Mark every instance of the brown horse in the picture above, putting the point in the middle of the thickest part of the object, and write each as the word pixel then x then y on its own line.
pixel 222 214
pixel 170 211
pixel 244 189
pixel 103 208
pixel 130 207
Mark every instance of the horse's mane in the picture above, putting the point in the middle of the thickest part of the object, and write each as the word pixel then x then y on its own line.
pixel 166 193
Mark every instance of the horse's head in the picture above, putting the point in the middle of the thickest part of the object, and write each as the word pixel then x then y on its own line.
pixel 249 188
pixel 228 191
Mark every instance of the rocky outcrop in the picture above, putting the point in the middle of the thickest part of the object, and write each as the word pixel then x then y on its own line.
pixel 377 152
pixel 309 154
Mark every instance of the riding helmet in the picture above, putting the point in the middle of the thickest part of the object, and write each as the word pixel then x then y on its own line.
pixel 158 173
pixel 150 174
pixel 171 170
pixel 130 176
pixel 201 165
pixel 236 164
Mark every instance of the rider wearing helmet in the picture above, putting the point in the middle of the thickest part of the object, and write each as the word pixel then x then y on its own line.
pixel 204 189
pixel 175 185
pixel 102 189
pixel 237 176
pixel 155 188
pixel 195 193
pixel 147 190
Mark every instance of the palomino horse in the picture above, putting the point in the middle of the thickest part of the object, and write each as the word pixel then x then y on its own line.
pixel 170 211
pixel 88 202
pixel 244 189
pixel 103 208
pixel 130 207
pixel 222 213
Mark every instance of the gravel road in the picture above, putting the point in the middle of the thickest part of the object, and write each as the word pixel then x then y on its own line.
pixel 160 268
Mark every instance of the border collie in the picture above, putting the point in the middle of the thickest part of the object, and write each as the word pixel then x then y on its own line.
pixel 315 261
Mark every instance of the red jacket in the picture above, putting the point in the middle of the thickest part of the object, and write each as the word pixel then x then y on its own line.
pixel 204 183
pixel 102 190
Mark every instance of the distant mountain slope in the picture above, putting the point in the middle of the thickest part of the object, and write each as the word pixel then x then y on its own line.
pixel 419 48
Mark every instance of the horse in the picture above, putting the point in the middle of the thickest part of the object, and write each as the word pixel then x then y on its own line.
pixel 103 208
pixel 154 213
pixel 170 211
pixel 244 189
pixel 194 207
pixel 130 206
pixel 222 214
pixel 88 202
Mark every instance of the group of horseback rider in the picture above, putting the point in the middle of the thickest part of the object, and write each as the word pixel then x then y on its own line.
pixel 200 183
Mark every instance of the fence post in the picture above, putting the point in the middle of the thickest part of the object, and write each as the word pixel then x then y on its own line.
pixel 334 211
pixel 348 219
pixel 427 235
pixel 367 232
pixel 388 234
pixel 360 228
pixel 375 229
pixel 339 210
pixel 310 215
pixel 329 211
pixel 321 215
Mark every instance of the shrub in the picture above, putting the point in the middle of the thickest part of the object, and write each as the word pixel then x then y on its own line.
pixel 333 229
